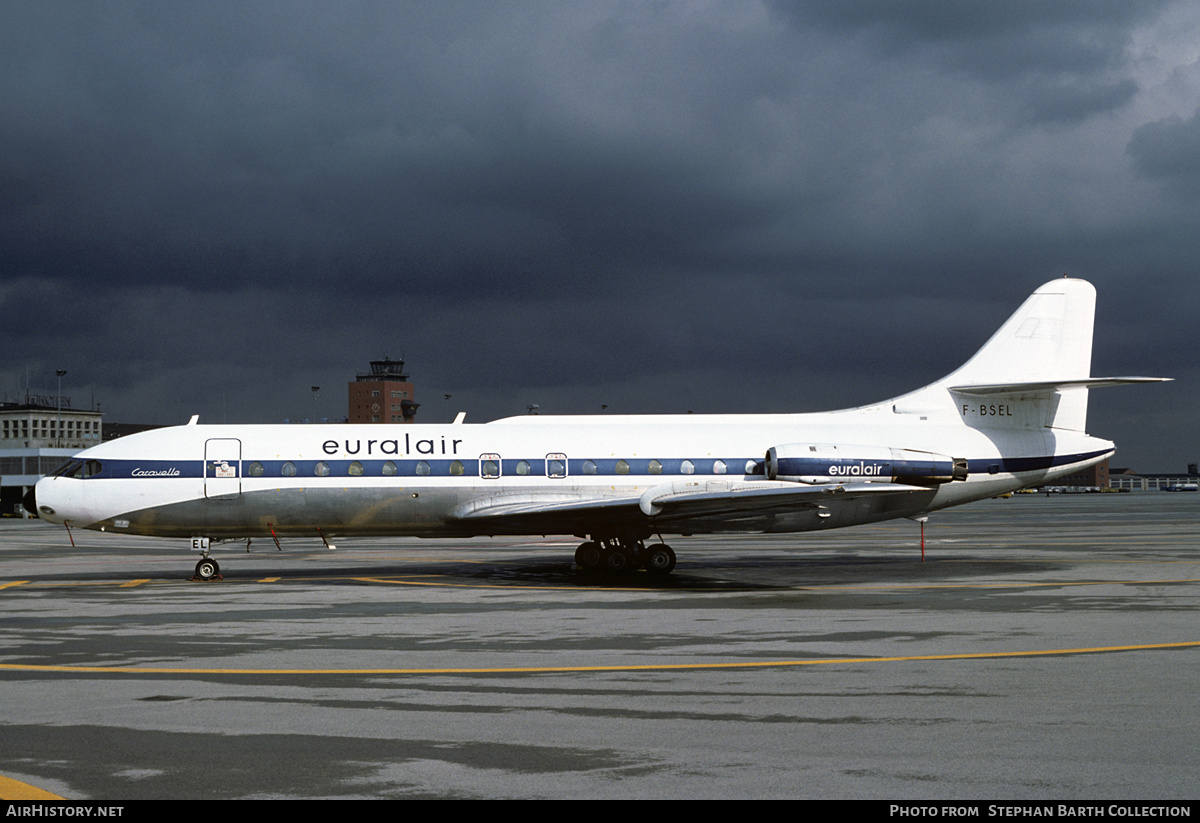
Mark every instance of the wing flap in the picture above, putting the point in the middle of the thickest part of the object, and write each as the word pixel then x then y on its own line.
pixel 509 505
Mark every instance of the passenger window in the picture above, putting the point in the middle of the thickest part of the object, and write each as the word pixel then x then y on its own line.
pixel 288 469
pixel 523 467
pixel 589 467
pixel 321 469
pixel 719 467
pixel 255 470
pixel 456 468
pixel 655 467
pixel 687 467
pixel 489 465
pixel 622 467
pixel 423 468
pixel 556 465
pixel 356 469
pixel 389 469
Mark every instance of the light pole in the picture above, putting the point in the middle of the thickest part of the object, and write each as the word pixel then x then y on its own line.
pixel 58 422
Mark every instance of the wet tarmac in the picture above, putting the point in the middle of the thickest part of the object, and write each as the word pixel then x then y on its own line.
pixel 1048 647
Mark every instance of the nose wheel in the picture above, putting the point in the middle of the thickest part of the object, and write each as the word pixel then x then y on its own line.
pixel 208 569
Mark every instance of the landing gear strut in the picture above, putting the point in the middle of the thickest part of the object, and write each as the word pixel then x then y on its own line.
pixel 624 554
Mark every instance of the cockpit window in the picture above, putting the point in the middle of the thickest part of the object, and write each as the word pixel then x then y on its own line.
pixel 91 468
pixel 72 468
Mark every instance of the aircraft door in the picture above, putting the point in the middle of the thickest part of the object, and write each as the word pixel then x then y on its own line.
pixel 222 468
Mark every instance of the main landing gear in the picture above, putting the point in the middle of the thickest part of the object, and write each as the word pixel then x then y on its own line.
pixel 618 555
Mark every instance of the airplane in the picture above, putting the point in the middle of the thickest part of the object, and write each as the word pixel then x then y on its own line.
pixel 1013 416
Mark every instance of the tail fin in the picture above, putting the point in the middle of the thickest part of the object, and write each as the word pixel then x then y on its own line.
pixel 1048 339
pixel 1035 371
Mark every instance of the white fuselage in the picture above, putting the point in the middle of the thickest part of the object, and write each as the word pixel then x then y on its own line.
pixel 429 480
pixel 1013 415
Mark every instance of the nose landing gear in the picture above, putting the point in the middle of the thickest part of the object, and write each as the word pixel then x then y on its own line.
pixel 207 569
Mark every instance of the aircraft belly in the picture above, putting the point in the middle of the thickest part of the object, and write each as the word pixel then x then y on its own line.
pixel 855 511
pixel 425 513
pixel 340 511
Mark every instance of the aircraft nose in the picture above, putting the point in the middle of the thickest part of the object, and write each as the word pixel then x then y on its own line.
pixel 29 501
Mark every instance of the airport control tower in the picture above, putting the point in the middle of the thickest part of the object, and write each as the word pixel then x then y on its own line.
pixel 383 395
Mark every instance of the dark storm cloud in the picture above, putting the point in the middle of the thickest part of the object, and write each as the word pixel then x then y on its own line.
pixel 992 40
pixel 1064 59
pixel 1169 150
pixel 216 147
pixel 733 206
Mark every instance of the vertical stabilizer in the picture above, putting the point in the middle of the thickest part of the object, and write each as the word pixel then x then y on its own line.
pixel 1047 340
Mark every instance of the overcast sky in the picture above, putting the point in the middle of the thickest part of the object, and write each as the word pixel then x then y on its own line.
pixel 654 206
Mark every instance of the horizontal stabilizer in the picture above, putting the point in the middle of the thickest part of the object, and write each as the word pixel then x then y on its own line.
pixel 1051 385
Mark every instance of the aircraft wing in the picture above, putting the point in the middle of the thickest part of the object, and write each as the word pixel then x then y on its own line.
pixel 712 501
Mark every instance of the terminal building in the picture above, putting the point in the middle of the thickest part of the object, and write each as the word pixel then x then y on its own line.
pixel 1093 477
pixel 1130 480
pixel 382 395
pixel 36 437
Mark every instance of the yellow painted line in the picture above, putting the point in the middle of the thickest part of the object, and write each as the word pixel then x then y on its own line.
pixel 1012 585
pixel 443 585
pixel 760 664
pixel 1041 561
pixel 410 580
pixel 16 790
pixel 381 557
pixel 95 584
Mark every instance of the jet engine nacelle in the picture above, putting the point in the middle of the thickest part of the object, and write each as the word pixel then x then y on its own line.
pixel 828 463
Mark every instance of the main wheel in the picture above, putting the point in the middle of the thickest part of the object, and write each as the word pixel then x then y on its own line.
pixel 617 560
pixel 207 569
pixel 659 559
pixel 588 556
